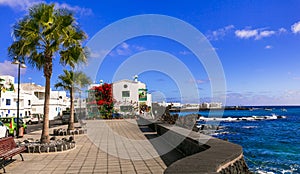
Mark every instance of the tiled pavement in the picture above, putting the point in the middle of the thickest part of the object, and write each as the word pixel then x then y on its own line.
pixel 113 146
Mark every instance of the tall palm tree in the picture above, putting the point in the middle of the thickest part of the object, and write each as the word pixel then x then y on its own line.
pixel 39 36
pixel 72 81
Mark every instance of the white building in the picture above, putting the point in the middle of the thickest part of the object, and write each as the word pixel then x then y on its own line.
pixel 191 106
pixel 58 99
pixel 9 98
pixel 172 104
pixel 31 99
pixel 80 106
pixel 212 105
pixel 131 97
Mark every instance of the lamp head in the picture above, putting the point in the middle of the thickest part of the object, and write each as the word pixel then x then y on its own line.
pixel 23 65
pixel 15 61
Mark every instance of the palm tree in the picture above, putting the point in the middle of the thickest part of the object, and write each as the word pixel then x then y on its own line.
pixel 72 81
pixel 40 35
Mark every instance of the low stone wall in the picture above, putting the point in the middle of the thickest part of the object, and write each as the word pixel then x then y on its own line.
pixel 237 167
pixel 65 132
pixel 203 154
pixel 55 145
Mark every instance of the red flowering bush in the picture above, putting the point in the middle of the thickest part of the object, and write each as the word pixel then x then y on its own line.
pixel 104 99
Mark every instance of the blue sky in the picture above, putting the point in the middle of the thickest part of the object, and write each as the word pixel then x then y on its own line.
pixel 257 42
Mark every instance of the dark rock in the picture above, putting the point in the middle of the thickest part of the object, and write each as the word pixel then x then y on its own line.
pixel 52 149
pixel 54 131
pixel 59 148
pixel 71 139
pixel 61 133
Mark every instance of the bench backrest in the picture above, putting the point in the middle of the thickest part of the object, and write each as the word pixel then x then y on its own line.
pixel 7 144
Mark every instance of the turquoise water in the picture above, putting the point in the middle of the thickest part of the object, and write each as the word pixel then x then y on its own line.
pixel 269 145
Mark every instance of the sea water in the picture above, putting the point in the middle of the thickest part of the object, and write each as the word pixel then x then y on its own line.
pixel 270 145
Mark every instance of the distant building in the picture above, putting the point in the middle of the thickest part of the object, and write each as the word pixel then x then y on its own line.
pixel 190 106
pixel 212 105
pixel 215 105
pixel 172 104
pixel 80 106
pixel 31 99
pixel 204 105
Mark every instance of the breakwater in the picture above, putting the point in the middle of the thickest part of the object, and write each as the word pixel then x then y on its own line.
pixel 207 109
pixel 203 154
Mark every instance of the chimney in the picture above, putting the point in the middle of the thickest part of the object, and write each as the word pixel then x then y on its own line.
pixel 136 78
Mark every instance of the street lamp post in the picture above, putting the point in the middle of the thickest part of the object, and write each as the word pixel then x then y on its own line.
pixel 20 65
pixel 80 114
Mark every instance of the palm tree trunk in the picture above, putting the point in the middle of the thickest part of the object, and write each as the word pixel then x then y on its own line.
pixel 47 73
pixel 71 122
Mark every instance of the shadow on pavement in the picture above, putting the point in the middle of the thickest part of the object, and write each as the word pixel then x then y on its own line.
pixel 167 153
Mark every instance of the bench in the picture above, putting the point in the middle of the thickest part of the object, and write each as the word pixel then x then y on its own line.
pixel 8 149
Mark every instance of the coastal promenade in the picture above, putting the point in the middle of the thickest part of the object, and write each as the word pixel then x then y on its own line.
pixel 110 146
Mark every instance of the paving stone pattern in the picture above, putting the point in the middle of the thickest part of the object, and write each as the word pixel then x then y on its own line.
pixel 111 146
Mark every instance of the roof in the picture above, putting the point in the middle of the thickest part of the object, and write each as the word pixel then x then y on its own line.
pixel 31 87
pixel 125 80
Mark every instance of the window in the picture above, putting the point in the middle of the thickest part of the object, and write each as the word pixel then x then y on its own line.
pixel 125 93
pixel 126 108
pixel 7 102
pixel 29 102
pixel 125 86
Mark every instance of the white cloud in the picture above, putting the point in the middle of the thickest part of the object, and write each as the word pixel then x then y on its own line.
pixel 125 49
pixel 24 5
pixel 245 34
pixel 254 33
pixel 219 33
pixel 76 9
pixel 6 68
pixel 266 33
pixel 124 45
pixel 282 30
pixel 20 5
pixel 268 47
pixel 138 48
pixel 296 27
pixel 97 54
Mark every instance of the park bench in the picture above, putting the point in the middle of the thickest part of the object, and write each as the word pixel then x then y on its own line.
pixel 8 149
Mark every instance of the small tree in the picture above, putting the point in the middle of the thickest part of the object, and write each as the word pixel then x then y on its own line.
pixel 72 81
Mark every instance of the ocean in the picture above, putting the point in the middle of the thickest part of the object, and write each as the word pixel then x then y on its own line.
pixel 270 145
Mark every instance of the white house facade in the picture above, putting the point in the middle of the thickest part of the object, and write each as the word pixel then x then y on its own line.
pixel 31 99
pixel 130 97
pixel 9 98
pixel 58 100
